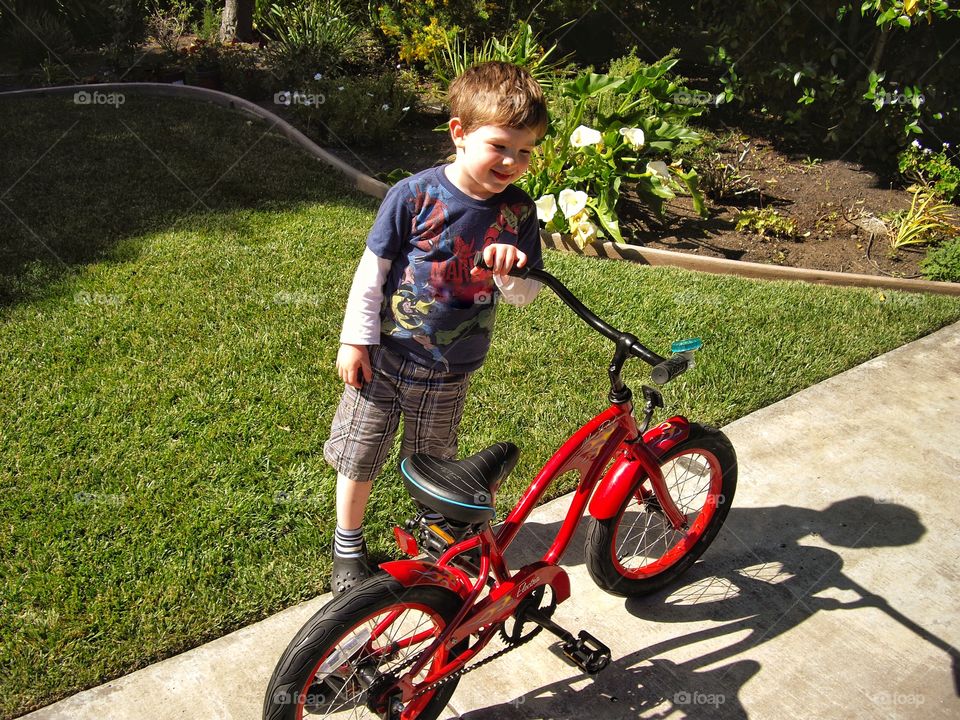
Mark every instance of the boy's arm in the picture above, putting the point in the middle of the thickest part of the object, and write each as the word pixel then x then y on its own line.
pixel 517 291
pixel 361 320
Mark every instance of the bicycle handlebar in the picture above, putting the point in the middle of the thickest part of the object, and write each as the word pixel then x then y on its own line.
pixel 664 369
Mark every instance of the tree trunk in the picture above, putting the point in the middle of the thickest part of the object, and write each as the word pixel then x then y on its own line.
pixel 237 21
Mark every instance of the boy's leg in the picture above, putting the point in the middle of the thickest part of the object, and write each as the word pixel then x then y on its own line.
pixel 361 437
pixel 352 497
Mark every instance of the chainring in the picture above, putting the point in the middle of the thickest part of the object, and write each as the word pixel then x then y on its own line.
pixel 514 634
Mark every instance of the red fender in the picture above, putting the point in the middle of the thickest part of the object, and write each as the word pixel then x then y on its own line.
pixel 415 572
pixel 620 478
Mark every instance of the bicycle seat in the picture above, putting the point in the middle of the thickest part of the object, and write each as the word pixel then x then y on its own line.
pixel 460 490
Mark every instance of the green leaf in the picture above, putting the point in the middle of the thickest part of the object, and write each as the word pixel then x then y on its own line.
pixel 590 84
pixel 692 181
pixel 608 220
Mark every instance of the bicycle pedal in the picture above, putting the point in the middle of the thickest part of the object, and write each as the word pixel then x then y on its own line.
pixel 587 653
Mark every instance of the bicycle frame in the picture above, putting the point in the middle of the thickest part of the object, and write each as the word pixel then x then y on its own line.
pixel 610 437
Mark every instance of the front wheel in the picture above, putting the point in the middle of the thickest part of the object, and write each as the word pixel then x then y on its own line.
pixel 638 551
pixel 342 659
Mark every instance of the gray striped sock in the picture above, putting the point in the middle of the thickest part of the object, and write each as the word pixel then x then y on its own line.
pixel 348 543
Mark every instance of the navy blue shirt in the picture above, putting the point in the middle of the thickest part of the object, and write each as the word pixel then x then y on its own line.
pixel 433 311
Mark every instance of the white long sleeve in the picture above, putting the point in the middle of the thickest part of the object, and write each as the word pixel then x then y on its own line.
pixel 361 320
pixel 517 291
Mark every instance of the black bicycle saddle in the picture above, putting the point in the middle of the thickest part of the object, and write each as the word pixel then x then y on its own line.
pixel 461 490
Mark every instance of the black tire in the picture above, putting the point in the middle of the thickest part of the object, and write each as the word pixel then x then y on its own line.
pixel 637 552
pixel 297 689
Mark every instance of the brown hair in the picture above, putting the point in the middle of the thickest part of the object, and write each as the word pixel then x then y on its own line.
pixel 498 93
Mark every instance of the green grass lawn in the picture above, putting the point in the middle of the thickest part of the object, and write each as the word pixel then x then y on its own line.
pixel 172 279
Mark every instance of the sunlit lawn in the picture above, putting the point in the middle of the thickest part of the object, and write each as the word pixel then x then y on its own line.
pixel 172 279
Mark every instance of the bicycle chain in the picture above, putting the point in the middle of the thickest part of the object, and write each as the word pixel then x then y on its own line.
pixel 480 663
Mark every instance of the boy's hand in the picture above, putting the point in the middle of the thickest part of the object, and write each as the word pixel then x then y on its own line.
pixel 353 365
pixel 502 258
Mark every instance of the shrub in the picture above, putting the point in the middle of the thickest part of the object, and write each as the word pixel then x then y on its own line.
pixel 928 220
pixel 520 45
pixel 364 110
pixel 309 36
pixel 943 262
pixel 419 30
pixel 606 130
pixel 920 164
pixel 871 80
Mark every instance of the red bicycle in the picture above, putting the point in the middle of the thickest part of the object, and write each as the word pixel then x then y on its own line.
pixel 396 645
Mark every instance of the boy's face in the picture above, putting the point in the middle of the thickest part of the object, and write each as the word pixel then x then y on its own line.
pixel 489 157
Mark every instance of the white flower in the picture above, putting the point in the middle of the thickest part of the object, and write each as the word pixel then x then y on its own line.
pixel 583 136
pixel 659 167
pixel 340 88
pixel 584 231
pixel 572 202
pixel 633 135
pixel 318 76
pixel 916 143
pixel 406 108
pixel 385 107
pixel 546 208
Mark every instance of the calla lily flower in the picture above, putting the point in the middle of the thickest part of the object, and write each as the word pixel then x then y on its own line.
pixel 584 136
pixel 634 136
pixel 572 202
pixel 659 167
pixel 584 231
pixel 546 208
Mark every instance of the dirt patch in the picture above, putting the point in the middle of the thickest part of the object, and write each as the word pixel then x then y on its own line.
pixel 833 205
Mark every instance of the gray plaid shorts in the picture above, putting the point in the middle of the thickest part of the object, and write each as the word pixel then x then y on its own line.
pixel 365 424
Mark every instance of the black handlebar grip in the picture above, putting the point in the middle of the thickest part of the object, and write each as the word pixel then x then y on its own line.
pixel 669 369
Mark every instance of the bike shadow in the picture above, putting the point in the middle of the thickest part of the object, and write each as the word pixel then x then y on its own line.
pixel 769 570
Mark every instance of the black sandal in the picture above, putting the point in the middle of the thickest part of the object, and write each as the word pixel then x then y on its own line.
pixel 348 572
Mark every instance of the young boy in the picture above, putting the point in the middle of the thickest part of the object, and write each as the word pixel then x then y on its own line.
pixel 420 315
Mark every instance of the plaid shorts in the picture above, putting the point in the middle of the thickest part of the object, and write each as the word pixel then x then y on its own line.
pixel 365 424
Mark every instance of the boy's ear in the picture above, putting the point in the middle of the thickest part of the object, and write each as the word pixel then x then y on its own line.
pixel 456 131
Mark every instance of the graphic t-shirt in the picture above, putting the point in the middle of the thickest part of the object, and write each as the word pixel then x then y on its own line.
pixel 433 311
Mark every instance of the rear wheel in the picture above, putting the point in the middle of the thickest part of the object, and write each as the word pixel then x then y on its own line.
pixel 342 659
pixel 638 551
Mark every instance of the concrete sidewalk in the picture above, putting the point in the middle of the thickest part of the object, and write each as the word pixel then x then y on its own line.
pixel 831 591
